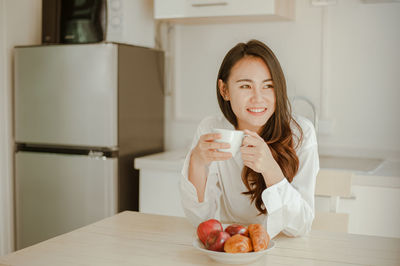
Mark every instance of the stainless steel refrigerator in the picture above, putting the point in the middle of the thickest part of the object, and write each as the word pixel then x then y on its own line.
pixel 82 114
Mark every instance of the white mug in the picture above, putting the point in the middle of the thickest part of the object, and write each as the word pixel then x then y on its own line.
pixel 233 137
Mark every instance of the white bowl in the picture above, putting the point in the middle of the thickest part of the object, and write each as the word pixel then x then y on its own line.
pixel 229 258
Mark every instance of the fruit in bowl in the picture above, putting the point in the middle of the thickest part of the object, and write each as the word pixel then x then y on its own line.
pixel 235 238
pixel 259 237
pixel 238 244
pixel 234 229
pixel 216 240
pixel 238 248
pixel 206 227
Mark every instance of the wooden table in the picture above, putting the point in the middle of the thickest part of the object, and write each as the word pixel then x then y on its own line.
pixel 131 238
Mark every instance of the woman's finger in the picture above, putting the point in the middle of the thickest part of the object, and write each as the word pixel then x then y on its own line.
pixel 219 155
pixel 250 141
pixel 248 152
pixel 247 158
pixel 214 145
pixel 210 137
pixel 253 134
pixel 249 164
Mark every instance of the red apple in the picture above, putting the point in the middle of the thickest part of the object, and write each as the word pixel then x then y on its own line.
pixel 216 240
pixel 237 229
pixel 206 227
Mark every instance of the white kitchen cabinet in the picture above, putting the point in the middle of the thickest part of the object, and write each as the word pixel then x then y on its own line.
pixel 159 183
pixel 373 206
pixel 159 192
pixel 220 10
pixel 374 211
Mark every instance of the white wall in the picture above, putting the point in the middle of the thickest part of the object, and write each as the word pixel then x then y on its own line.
pixel 364 79
pixel 20 24
pixel 362 62
pixel 6 221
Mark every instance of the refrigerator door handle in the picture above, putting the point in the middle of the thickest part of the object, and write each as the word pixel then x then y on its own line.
pixel 97 154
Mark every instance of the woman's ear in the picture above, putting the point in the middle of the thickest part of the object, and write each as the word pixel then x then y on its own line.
pixel 223 90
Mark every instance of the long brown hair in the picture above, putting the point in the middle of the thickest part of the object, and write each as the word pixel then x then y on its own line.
pixel 276 132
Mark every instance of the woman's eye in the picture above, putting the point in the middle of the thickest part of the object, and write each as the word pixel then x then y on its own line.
pixel 268 86
pixel 245 86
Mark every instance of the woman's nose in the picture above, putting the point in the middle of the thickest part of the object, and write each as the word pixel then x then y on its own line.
pixel 256 94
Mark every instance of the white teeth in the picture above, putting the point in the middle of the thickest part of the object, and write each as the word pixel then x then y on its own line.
pixel 256 110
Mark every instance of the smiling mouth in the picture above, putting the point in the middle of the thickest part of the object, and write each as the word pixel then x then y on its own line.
pixel 256 111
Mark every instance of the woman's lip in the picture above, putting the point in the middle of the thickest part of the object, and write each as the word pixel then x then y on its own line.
pixel 256 111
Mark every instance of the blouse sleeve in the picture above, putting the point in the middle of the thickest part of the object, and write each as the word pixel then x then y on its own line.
pixel 290 206
pixel 194 210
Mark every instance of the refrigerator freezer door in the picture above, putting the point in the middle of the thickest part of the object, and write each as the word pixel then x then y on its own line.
pixel 57 193
pixel 66 95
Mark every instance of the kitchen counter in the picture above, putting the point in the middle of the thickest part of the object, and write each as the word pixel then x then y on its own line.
pixel 169 160
pixel 132 238
pixel 369 172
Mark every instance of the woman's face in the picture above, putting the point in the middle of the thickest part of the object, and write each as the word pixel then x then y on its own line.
pixel 251 93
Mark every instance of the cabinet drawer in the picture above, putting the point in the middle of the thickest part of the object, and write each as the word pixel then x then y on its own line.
pixel 181 9
pixel 159 192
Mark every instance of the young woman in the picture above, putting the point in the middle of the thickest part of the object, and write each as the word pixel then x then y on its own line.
pixel 271 180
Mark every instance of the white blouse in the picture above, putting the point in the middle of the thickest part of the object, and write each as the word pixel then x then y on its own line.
pixel 290 206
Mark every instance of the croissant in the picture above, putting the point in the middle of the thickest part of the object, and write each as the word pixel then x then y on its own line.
pixel 259 237
pixel 238 244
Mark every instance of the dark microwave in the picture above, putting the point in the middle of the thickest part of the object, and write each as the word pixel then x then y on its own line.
pixel 73 21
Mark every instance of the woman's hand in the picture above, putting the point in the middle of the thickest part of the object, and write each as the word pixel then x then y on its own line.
pixel 204 153
pixel 206 150
pixel 257 155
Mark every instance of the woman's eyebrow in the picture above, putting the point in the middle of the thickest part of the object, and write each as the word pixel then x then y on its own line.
pixel 244 80
pixel 249 80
